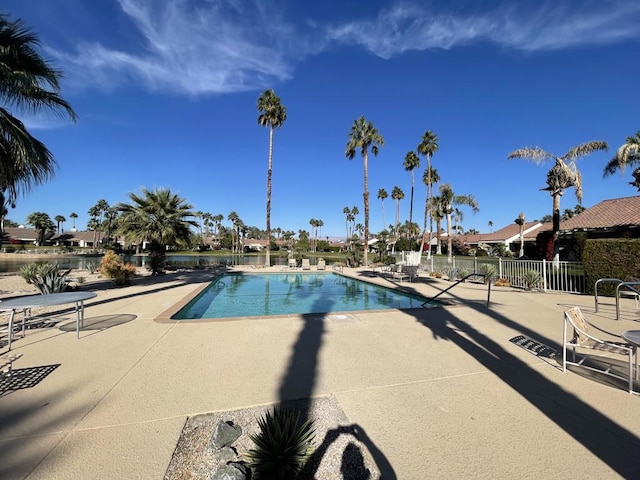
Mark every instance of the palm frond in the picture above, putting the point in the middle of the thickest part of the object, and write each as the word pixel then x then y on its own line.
pixel 534 154
pixel 584 149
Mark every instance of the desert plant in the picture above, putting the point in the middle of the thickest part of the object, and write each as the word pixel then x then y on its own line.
pixel 489 271
pixel 92 267
pixel 453 273
pixel 282 445
pixel 463 272
pixel 46 277
pixel 112 266
pixel 532 278
pixel 503 282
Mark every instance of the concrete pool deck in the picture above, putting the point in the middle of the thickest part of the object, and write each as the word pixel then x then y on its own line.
pixel 438 393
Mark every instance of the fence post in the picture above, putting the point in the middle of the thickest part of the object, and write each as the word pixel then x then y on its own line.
pixel 475 264
pixel 544 274
pixel 499 267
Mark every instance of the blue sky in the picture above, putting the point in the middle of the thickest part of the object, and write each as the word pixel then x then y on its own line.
pixel 166 93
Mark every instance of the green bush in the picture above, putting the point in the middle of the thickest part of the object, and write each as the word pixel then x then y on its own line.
pixel 489 272
pixel 610 258
pixel 282 446
pixel 46 277
pixel 532 278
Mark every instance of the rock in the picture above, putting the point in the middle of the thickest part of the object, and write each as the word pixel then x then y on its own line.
pixel 232 471
pixel 225 454
pixel 225 434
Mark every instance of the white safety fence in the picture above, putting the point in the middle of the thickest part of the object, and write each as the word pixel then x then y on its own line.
pixel 553 276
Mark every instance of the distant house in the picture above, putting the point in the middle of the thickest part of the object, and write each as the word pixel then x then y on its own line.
pixel 70 238
pixel 508 236
pixel 21 236
pixel 614 218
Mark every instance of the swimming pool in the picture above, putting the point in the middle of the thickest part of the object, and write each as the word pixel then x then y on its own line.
pixel 251 295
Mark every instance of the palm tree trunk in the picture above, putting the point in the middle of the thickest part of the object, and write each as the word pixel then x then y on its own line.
pixel 556 227
pixel 267 260
pixel 411 205
pixel 449 239
pixel 366 208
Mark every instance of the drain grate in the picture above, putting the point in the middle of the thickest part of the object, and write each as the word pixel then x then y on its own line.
pixel 533 346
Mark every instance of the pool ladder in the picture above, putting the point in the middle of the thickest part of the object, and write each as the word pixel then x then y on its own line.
pixel 460 281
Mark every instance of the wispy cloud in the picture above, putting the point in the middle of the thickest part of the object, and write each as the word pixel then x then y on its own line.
pixel 546 26
pixel 221 46
pixel 216 47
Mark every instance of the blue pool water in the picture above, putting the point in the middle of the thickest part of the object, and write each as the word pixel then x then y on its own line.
pixel 249 295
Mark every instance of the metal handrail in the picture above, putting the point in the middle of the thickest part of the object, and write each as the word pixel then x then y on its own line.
pixel 460 281
pixel 595 288
pixel 629 288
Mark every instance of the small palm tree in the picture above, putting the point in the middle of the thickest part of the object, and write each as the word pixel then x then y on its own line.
pixel 362 137
pixel 562 175
pixel 428 146
pixel 397 194
pixel 520 221
pixel 458 217
pixel 159 217
pixel 411 162
pixel 273 115
pixel 437 213
pixel 382 194
pixel 449 199
pixel 59 220
pixel 628 154
pixel 42 223
pixel 73 217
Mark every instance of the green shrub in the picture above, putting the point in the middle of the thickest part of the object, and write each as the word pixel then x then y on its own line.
pixel 92 266
pixel 112 266
pixel 532 278
pixel 610 258
pixel 282 445
pixel 489 272
pixel 46 277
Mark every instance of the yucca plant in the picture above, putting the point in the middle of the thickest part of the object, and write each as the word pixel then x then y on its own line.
pixel 489 272
pixel 46 277
pixel 282 446
pixel 532 278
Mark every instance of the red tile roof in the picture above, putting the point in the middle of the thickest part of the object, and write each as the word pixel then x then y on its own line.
pixel 616 212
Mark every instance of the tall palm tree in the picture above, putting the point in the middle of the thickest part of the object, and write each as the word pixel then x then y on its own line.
pixel 628 154
pixel 458 217
pixel 437 213
pixel 428 146
pixel 490 226
pixel 157 216
pixel 29 83
pixel 234 218
pixel 449 199
pixel 382 194
pixel 273 115
pixel 362 136
pixel 562 175
pixel 73 217
pixel 397 194
pixel 520 221
pixel 59 220
pixel 411 162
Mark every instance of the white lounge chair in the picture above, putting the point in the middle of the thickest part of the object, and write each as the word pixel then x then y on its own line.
pixel 305 264
pixel 321 264
pixel 581 339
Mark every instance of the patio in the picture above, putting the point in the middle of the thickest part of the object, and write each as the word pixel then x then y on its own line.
pixel 438 393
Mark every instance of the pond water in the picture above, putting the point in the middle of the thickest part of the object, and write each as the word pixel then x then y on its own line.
pixel 13 263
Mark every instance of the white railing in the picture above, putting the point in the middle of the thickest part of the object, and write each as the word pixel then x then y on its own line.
pixel 558 277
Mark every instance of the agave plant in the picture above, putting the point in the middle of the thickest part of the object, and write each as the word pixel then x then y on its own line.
pixel 489 272
pixel 46 277
pixel 532 278
pixel 282 446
